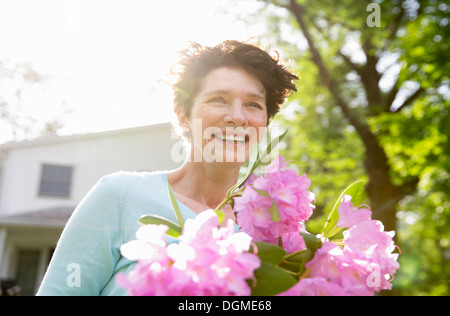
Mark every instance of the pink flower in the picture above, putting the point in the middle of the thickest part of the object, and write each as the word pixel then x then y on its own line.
pixel 368 240
pixel 365 262
pixel 143 280
pixel 290 194
pixel 340 267
pixel 293 242
pixel 216 259
pixel 349 215
pixel 150 244
pixel 327 262
pixel 253 216
pixel 315 287
pixel 207 261
pixel 288 190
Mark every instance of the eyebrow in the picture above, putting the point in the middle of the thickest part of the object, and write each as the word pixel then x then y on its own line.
pixel 225 92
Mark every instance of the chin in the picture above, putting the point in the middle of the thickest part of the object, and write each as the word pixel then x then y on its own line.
pixel 235 158
pixel 228 158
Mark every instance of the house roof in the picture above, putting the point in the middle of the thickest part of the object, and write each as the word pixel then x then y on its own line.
pixel 55 217
pixel 47 140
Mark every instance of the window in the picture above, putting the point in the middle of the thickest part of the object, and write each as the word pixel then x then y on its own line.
pixel 55 181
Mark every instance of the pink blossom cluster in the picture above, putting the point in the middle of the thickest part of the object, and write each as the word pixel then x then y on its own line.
pixel 289 192
pixel 362 266
pixel 207 260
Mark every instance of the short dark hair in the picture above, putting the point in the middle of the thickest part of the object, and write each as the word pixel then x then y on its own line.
pixel 197 61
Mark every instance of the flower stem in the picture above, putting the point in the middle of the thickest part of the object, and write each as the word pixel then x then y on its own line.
pixel 291 255
pixel 280 242
pixel 227 199
pixel 294 274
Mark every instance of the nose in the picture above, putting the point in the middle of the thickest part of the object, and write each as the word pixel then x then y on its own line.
pixel 236 115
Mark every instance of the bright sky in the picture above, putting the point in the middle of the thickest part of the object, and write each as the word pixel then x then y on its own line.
pixel 105 58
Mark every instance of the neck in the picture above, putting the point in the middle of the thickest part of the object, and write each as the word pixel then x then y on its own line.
pixel 205 183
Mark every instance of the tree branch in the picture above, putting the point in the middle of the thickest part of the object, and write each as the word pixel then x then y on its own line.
pixel 347 60
pixel 409 187
pixel 368 74
pixel 351 64
pixel 395 25
pixel 325 74
pixel 391 97
pixel 410 99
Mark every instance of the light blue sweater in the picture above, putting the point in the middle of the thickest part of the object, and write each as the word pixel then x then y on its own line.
pixel 87 258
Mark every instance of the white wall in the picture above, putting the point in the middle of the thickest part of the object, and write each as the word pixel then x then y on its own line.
pixel 92 156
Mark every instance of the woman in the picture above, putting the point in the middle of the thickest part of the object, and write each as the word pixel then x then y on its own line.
pixel 224 96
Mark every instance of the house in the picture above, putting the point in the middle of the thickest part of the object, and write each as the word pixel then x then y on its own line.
pixel 42 181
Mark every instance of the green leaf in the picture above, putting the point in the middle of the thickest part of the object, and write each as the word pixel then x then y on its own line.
pixel 295 261
pixel 295 256
pixel 312 242
pixel 220 216
pixel 252 165
pixel 175 207
pixel 271 280
pixel 355 190
pixel 174 230
pixel 272 144
pixel 293 266
pixel 257 158
pixel 269 252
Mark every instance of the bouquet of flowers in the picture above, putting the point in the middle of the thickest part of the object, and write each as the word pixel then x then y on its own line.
pixel 270 252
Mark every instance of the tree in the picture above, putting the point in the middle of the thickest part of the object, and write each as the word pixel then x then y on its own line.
pixel 355 63
pixel 373 103
pixel 17 83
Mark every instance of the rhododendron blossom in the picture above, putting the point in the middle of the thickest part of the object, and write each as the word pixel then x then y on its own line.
pixel 207 260
pixel 270 253
pixel 349 215
pixel 315 287
pixel 289 192
pixel 361 267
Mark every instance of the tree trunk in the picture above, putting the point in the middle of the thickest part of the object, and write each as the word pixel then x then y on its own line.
pixel 383 194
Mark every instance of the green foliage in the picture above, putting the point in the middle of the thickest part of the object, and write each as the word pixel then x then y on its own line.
pixel 395 80
pixel 173 229
pixel 324 147
pixel 268 253
pixel 175 206
pixel 278 271
pixel 271 280
pixel 355 190
pixel 416 141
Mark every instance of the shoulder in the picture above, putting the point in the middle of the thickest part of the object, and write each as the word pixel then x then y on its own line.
pixel 131 191
pixel 112 192
pixel 121 176
pixel 119 181
pixel 126 181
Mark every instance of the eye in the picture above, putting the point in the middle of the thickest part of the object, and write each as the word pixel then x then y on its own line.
pixel 216 100
pixel 255 105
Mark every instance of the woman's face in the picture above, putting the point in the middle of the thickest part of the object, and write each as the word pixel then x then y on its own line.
pixel 228 116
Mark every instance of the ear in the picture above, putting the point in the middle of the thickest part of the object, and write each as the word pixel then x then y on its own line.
pixel 183 123
pixel 182 119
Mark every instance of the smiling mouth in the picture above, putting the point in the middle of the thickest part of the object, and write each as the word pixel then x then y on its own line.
pixel 232 139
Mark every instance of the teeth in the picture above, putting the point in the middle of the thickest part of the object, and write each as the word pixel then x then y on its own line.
pixel 232 138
